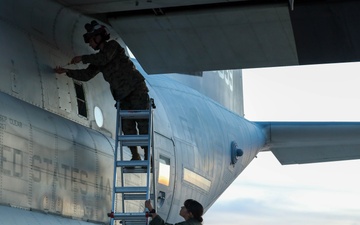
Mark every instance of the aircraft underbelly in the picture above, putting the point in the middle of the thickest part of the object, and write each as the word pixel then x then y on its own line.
pixel 16 216
pixel 51 164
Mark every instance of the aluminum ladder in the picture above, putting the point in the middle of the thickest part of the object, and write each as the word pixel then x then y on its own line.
pixel 122 167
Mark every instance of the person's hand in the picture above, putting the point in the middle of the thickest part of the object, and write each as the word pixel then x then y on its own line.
pixel 76 59
pixel 60 70
pixel 148 205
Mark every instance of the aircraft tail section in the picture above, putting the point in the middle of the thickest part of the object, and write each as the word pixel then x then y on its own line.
pixel 223 86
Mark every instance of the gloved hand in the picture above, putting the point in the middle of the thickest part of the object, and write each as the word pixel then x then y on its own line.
pixel 60 70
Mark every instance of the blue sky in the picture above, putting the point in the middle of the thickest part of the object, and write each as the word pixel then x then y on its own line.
pixel 267 193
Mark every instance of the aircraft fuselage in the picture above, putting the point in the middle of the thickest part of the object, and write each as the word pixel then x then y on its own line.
pixel 56 157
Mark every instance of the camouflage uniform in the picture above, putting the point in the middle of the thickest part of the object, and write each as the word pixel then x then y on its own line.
pixel 157 220
pixel 127 85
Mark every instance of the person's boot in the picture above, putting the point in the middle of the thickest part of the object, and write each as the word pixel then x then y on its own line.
pixel 146 155
pixel 134 153
pixel 145 152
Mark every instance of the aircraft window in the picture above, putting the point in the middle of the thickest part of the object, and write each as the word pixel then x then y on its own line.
pixel 99 118
pixel 197 179
pixel 164 171
pixel 80 96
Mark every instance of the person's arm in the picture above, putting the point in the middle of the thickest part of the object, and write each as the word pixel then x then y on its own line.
pixel 150 208
pixel 156 219
pixel 84 74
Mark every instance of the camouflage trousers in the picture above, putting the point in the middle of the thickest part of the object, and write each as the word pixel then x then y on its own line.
pixel 136 100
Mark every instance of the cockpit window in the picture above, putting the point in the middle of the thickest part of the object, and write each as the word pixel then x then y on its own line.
pixel 80 96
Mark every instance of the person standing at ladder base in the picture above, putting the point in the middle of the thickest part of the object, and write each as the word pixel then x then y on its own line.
pixel 191 211
pixel 127 85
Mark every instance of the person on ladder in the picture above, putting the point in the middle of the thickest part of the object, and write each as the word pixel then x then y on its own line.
pixel 127 85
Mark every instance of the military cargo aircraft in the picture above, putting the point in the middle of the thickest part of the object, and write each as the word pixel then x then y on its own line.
pixel 57 135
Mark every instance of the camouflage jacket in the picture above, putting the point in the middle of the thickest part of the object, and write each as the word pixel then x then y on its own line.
pixel 116 68
pixel 157 220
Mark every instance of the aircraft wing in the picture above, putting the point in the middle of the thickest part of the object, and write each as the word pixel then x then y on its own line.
pixel 310 142
pixel 191 36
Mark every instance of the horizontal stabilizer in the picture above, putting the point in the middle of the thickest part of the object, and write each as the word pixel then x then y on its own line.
pixel 310 142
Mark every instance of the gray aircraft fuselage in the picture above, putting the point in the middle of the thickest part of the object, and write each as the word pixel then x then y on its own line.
pixel 55 155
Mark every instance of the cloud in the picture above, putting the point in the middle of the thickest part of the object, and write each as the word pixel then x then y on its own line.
pixel 251 211
pixel 267 193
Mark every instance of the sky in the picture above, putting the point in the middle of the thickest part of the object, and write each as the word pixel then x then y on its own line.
pixel 267 193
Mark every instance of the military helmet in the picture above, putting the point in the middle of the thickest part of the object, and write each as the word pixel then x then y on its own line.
pixel 93 29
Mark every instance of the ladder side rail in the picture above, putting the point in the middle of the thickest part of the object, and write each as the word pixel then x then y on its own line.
pixel 115 159
pixel 148 169
pixel 154 179
pixel 150 155
pixel 121 159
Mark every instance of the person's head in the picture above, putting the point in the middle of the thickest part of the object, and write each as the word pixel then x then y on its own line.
pixel 96 34
pixel 192 209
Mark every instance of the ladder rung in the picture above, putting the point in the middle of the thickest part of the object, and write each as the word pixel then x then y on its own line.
pixel 134 114
pixel 133 166
pixel 135 170
pixel 136 196
pixel 142 222
pixel 130 216
pixel 134 140
pixel 139 189
pixel 132 163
